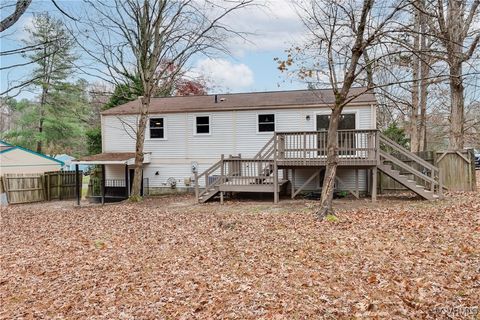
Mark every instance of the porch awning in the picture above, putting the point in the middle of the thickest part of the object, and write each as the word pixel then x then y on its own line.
pixel 111 158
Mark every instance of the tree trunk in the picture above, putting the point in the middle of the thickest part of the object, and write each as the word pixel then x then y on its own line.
pixel 457 107
pixel 422 126
pixel 43 102
pixel 40 130
pixel 424 75
pixel 414 132
pixel 140 139
pixel 331 165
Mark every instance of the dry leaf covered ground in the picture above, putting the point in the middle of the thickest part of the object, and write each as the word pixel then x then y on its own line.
pixel 167 258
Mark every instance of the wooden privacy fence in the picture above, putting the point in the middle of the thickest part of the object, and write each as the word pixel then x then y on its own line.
pixel 456 167
pixel 25 188
pixel 60 185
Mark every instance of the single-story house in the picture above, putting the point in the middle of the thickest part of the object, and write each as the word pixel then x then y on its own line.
pixel 244 142
pixel 15 159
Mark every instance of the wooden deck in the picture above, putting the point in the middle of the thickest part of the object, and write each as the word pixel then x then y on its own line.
pixel 358 149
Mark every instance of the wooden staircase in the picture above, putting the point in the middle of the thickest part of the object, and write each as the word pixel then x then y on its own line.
pixel 423 178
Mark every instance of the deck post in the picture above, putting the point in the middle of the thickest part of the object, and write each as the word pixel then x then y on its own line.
pixel 103 184
pixel 440 184
pixel 275 172
pixel 196 185
pixel 292 183
pixel 374 184
pixel 356 183
pixel 77 185
pixel 222 175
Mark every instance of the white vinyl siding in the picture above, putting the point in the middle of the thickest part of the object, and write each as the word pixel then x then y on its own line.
pixel 231 133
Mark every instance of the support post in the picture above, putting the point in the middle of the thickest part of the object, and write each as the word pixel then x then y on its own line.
pixel 292 183
pixel 275 182
pixel 440 184
pixel 275 171
pixel 127 182
pixel 77 185
pixel 221 197
pixel 356 183
pixel 374 184
pixel 196 185
pixel 103 184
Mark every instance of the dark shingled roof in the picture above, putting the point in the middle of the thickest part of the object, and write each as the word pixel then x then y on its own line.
pixel 109 156
pixel 244 101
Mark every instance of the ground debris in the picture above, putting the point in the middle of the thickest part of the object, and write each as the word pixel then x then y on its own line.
pixel 170 259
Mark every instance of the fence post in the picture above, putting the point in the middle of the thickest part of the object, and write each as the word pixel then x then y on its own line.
pixel 47 176
pixel 5 187
pixel 77 185
pixel 59 179
pixel 42 183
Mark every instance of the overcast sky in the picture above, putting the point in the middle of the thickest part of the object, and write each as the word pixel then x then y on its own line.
pixel 272 29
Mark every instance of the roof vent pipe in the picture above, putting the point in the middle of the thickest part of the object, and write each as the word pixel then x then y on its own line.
pixel 216 98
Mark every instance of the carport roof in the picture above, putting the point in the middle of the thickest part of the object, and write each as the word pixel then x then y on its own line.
pixel 111 158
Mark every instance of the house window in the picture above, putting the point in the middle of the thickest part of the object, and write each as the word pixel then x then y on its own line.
pixel 157 128
pixel 202 125
pixel 346 140
pixel 266 122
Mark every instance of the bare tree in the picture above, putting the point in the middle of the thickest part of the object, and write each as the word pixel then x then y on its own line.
pixel 454 26
pixel 20 7
pixel 345 45
pixel 152 40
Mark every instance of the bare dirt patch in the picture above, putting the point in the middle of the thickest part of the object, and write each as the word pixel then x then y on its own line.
pixel 171 258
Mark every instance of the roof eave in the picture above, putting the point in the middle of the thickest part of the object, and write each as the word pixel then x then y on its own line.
pixel 260 107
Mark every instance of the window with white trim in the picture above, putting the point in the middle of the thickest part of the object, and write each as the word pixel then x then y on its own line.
pixel 157 128
pixel 202 125
pixel 266 122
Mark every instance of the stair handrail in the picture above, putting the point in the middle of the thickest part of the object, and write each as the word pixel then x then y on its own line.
pixel 410 169
pixel 407 153
pixel 268 152
pixel 206 173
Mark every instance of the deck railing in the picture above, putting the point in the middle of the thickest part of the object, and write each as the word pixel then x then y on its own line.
pixel 247 171
pixel 312 145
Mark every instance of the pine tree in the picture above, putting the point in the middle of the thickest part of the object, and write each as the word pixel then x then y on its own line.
pixel 54 63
